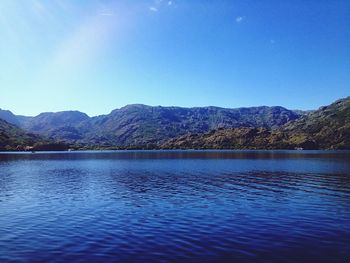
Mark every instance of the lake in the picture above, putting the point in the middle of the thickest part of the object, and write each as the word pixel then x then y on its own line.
pixel 175 206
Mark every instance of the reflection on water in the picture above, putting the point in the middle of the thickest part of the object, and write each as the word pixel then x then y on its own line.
pixel 246 206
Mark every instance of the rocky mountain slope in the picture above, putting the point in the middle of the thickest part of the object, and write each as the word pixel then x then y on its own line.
pixel 326 128
pixel 12 137
pixel 141 124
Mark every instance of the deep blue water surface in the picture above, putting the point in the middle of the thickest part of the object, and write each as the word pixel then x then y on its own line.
pixel 176 206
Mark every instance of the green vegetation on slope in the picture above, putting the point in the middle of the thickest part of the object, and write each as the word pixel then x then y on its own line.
pixel 141 124
pixel 146 127
pixel 13 138
pixel 326 128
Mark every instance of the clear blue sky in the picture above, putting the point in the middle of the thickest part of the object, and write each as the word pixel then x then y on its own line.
pixel 95 56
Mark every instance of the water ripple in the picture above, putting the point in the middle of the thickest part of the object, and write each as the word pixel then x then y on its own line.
pixel 175 207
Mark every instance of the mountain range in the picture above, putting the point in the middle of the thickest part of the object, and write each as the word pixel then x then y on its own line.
pixel 142 126
pixel 325 128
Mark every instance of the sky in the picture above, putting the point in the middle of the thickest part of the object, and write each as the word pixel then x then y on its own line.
pixel 98 55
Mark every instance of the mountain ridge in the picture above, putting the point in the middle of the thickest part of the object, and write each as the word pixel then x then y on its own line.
pixel 326 128
pixel 137 124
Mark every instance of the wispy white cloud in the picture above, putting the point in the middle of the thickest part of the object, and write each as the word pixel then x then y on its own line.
pixel 158 5
pixel 153 9
pixel 106 14
pixel 239 19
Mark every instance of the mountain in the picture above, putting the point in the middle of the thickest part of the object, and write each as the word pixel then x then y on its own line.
pixel 139 124
pixel 12 137
pixel 65 125
pixel 9 117
pixel 303 112
pixel 233 138
pixel 326 128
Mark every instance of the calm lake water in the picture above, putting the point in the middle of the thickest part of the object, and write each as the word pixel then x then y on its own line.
pixel 176 206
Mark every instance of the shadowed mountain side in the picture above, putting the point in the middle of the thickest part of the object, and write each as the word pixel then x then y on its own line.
pixel 13 138
pixel 9 117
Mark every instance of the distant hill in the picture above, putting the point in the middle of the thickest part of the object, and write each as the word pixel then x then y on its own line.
pixel 326 128
pixel 65 125
pixel 141 124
